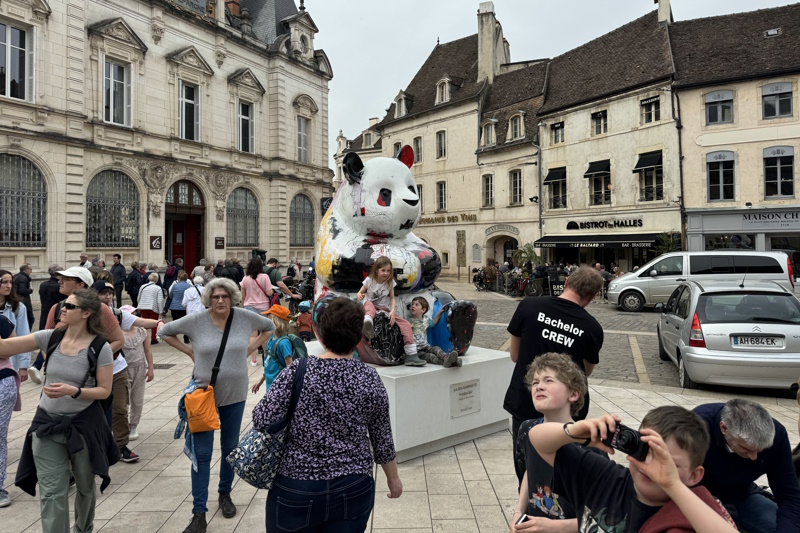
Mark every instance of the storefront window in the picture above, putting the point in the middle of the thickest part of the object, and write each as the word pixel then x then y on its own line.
pixel 789 244
pixel 737 241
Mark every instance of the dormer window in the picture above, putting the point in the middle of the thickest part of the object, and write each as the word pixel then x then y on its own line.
pixel 487 134
pixel 400 107
pixel 443 92
pixel 367 140
pixel 516 127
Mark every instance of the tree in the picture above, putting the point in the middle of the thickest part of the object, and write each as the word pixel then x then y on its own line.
pixel 524 254
pixel 666 242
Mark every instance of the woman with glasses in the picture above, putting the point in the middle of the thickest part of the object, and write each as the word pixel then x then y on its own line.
pixel 69 432
pixel 205 328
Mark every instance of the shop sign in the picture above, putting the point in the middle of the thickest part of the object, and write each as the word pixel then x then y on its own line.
pixel 324 204
pixel 155 242
pixel 774 219
pixel 502 227
pixel 605 224
pixel 449 219
pixel 219 243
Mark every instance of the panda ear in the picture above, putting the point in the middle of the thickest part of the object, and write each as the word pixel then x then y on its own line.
pixel 353 168
pixel 406 155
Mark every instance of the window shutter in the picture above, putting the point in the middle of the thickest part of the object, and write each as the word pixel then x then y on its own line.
pixel 31 66
pixel 197 112
pixel 128 95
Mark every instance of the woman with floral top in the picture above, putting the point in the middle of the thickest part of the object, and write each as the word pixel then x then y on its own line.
pixel 324 482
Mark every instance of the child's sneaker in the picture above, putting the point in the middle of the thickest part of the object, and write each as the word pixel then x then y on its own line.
pixel 128 456
pixel 134 434
pixel 5 501
pixel 253 362
pixel 369 328
pixel 451 359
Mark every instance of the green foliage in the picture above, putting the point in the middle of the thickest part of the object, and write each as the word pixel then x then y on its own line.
pixel 666 242
pixel 526 253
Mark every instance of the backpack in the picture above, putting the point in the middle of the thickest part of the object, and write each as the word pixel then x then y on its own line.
pixel 299 350
pixel 93 352
pixel 291 271
pixel 172 271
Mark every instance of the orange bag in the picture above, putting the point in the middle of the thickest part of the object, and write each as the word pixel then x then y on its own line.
pixel 200 410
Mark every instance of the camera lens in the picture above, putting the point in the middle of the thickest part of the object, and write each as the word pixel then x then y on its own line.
pixel 626 439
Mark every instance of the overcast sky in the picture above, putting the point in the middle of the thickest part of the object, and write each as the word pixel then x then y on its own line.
pixel 376 46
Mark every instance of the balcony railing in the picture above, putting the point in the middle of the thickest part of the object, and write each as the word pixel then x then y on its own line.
pixel 558 202
pixel 650 194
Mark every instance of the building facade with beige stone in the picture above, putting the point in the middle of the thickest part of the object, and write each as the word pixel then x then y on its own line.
pixel 161 129
pixel 595 154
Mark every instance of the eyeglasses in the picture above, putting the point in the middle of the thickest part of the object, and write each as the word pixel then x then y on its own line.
pixel 70 306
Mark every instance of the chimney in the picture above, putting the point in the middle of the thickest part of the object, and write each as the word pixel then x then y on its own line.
pixel 373 121
pixel 487 23
pixel 664 11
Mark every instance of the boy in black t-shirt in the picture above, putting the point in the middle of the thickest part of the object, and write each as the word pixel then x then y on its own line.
pixel 557 387
pixel 653 495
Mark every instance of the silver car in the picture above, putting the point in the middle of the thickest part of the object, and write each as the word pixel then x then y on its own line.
pixel 744 334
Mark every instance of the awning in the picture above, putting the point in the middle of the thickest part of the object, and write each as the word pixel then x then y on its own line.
pixel 556 174
pixel 617 240
pixel 652 159
pixel 597 167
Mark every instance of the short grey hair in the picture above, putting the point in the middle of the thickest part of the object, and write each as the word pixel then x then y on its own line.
pixel 221 283
pixel 152 277
pixel 749 421
pixel 228 263
pixel 153 267
pixel 54 269
pixel 203 262
pixel 24 267
pixel 198 280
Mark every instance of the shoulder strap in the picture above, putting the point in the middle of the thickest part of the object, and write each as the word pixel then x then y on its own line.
pixel 57 315
pixel 273 352
pixel 215 369
pixel 198 290
pixel 55 339
pixel 93 353
pixel 297 388
pixel 260 287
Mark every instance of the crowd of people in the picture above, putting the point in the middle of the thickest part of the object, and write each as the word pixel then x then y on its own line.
pixel 689 470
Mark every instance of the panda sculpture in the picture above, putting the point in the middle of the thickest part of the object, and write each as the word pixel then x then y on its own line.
pixel 373 214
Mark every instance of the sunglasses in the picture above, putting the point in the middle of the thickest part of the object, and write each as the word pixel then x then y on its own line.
pixel 70 306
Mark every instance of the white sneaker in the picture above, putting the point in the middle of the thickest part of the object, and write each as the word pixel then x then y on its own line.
pixel 5 501
pixel 35 374
pixel 369 328
pixel 134 434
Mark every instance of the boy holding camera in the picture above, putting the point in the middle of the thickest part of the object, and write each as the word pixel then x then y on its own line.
pixel 557 387
pixel 654 494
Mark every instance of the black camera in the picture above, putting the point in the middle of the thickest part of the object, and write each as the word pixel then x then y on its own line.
pixel 628 441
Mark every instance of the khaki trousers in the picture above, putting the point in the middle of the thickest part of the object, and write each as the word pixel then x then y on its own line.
pixel 119 409
pixel 53 462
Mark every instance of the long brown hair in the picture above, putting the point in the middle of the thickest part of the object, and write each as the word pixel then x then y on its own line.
pixel 379 263
pixel 12 297
pixel 87 300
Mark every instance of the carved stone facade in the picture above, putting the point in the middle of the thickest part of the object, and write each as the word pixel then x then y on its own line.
pixel 185 110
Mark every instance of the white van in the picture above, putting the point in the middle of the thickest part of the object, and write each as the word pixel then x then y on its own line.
pixel 655 281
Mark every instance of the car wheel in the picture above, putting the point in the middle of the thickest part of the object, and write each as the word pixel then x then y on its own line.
pixel 632 301
pixel 662 353
pixel 685 381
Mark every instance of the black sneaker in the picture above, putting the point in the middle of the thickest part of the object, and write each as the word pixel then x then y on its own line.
pixel 153 341
pixel 260 350
pixel 128 456
pixel 226 504
pixel 197 525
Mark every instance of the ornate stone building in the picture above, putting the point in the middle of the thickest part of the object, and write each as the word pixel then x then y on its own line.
pixel 160 129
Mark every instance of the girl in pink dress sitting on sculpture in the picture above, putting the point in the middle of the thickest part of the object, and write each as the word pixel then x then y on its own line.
pixel 377 293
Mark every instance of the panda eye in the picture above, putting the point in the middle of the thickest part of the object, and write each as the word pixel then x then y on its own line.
pixel 385 197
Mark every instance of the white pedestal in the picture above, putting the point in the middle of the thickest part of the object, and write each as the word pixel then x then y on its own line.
pixel 433 407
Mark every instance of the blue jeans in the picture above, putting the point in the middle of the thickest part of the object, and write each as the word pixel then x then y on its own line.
pixel 755 514
pixel 230 422
pixel 340 505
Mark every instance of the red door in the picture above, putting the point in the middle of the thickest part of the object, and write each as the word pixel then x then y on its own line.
pixel 178 240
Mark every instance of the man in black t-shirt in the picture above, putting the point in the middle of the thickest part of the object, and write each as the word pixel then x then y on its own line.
pixel 561 325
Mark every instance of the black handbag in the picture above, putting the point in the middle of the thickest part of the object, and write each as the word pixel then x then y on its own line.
pixel 258 456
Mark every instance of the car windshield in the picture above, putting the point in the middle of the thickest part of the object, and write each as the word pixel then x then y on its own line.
pixel 748 306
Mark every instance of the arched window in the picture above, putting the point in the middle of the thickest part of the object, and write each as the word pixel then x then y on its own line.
pixel 23 203
pixel 301 221
pixel 242 216
pixel 112 211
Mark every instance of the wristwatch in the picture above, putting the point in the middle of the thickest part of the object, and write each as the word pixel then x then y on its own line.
pixel 566 430
pixel 79 393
